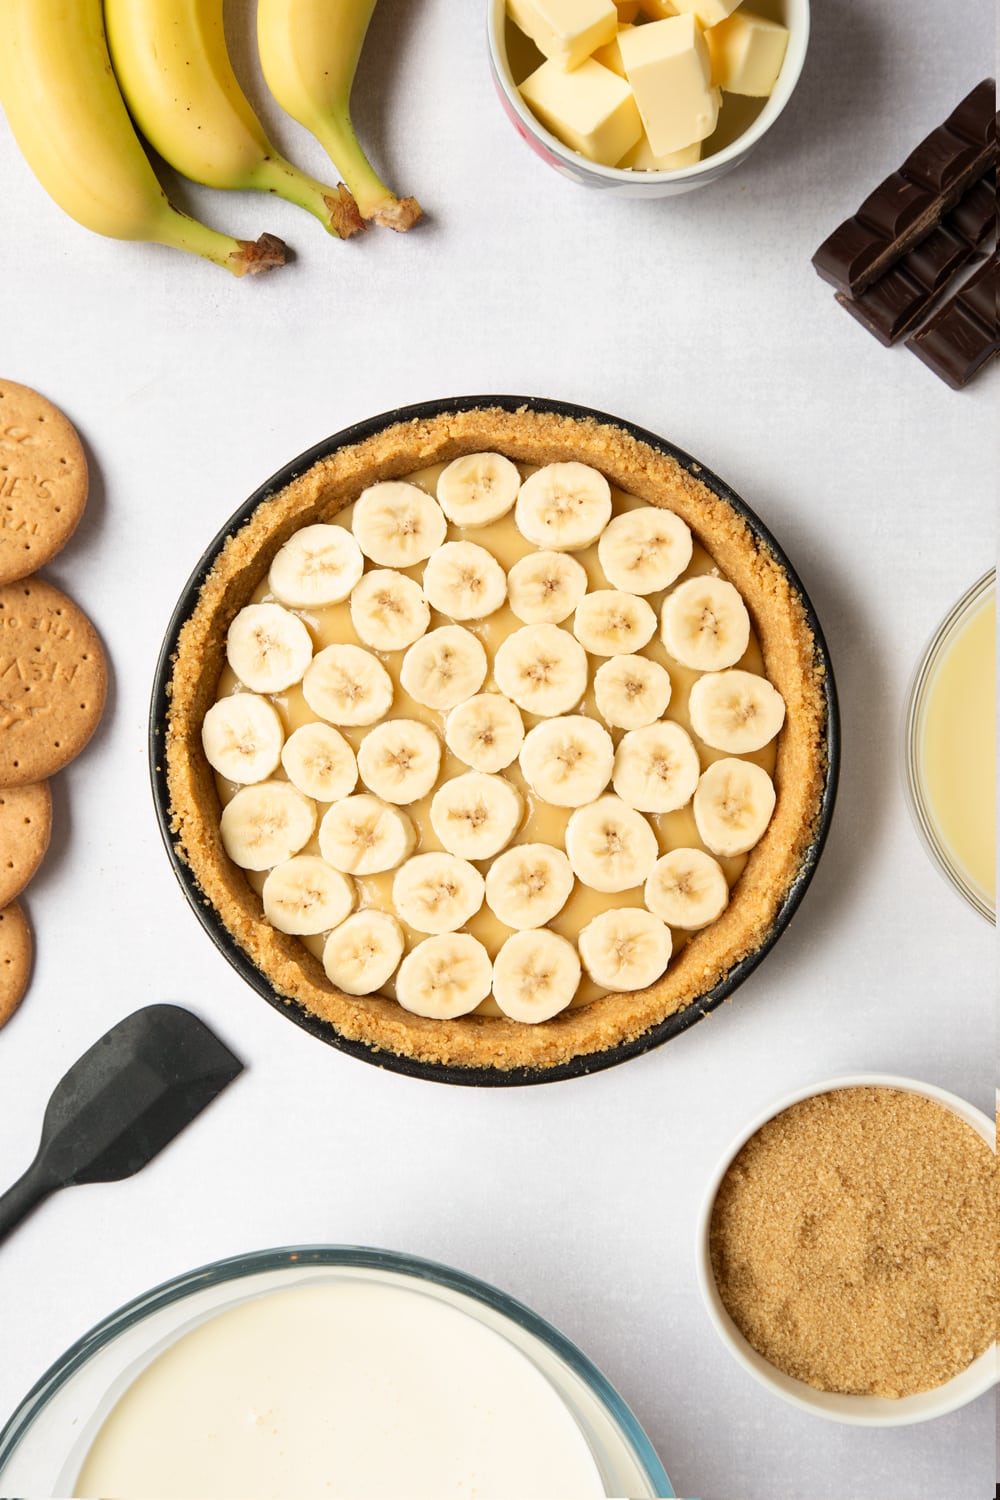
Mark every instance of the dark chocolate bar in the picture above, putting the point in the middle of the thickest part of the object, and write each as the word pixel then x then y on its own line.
pixel 911 202
pixel 904 293
pixel 962 335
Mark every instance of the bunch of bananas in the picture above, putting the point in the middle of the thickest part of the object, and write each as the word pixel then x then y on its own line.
pixel 72 113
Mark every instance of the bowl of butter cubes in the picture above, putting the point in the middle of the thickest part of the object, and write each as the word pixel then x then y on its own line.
pixel 647 98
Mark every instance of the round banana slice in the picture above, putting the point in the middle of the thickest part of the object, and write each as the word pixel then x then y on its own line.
pixel 610 623
pixel 611 847
pixel 704 623
pixel 644 550
pixel 567 761
pixel 266 824
pixel 687 889
pixel 464 581
pixel 542 669
pixel 544 588
pixel 305 896
pixel 361 955
pixel 656 768
pixel 362 835
pixel 347 685
pixel 735 711
pixel 444 668
pixel 317 565
pixel 475 816
pixel 627 948
pixel 242 736
pixel 733 806
pixel 486 732
pixel 631 691
pixel 437 892
pixel 528 885
pixel 535 976
pixel 397 524
pixel 320 762
pixel 478 488
pixel 444 976
pixel 268 648
pixel 388 610
pixel 563 506
pixel 399 760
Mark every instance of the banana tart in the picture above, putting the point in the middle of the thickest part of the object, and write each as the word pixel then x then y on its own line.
pixel 496 738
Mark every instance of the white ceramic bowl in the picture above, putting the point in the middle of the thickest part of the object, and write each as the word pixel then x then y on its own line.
pixel 858 1411
pixel 742 122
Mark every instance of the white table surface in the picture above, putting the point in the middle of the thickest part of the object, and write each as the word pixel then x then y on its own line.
pixel 701 319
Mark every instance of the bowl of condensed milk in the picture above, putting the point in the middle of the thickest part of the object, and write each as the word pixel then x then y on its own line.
pixel 949 744
pixel 329 1371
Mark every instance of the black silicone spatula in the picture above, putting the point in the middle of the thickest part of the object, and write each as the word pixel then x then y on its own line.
pixel 121 1102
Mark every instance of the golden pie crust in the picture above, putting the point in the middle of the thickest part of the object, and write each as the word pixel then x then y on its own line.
pixel 792 664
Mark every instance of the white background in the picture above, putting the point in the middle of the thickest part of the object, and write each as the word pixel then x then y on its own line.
pixel 701 319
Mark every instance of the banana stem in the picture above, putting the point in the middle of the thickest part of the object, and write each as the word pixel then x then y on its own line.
pixel 335 208
pixel 238 256
pixel 374 199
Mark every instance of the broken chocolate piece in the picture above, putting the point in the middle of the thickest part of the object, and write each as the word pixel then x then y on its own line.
pixel 962 335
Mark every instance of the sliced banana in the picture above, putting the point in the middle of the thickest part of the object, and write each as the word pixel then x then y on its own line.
pixel 542 669
pixel 266 824
pixel 544 588
pixel 317 565
pixel 627 948
pixel 362 835
pixel 486 732
pixel 611 847
pixel 704 623
pixel 733 806
pixel 320 762
pixel 563 506
pixel 268 648
pixel 437 892
pixel 397 524
pixel 464 581
pixel 478 488
pixel 656 768
pixel 388 610
pixel 644 550
pixel 242 736
pixel 631 691
pixel 528 885
pixel 305 896
pixel 444 668
pixel 361 955
pixel 445 976
pixel 610 623
pixel 399 760
pixel 347 685
pixel 567 760
pixel 735 711
pixel 475 815
pixel 535 976
pixel 687 889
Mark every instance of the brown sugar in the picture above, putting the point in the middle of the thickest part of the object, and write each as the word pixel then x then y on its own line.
pixel 854 1242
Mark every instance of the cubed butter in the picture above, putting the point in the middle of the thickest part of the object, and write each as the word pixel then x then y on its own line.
pixel 566 31
pixel 627 11
pixel 668 66
pixel 708 12
pixel 610 55
pixel 657 10
pixel 589 109
pixel 641 158
pixel 747 51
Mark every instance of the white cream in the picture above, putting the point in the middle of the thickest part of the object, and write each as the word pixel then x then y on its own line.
pixel 340 1390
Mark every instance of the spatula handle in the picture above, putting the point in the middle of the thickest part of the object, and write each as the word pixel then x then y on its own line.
pixel 28 1191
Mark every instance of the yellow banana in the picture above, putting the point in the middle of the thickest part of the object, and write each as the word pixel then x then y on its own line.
pixel 68 117
pixel 309 51
pixel 174 70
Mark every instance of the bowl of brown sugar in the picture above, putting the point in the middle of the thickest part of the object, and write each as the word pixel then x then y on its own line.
pixel 848 1248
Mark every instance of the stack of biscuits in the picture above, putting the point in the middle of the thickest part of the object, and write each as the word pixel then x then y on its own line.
pixel 53 675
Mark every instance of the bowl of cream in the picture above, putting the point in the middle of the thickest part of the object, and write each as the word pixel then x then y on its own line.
pixel 326 1371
